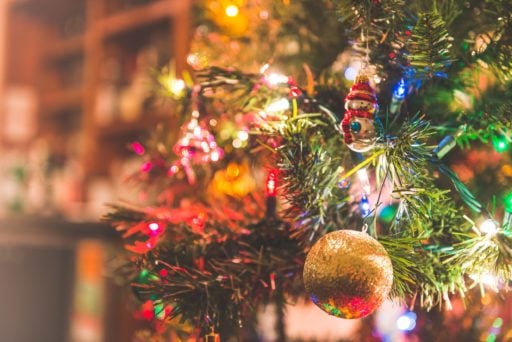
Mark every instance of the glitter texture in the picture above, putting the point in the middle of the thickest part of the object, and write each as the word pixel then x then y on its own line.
pixel 348 274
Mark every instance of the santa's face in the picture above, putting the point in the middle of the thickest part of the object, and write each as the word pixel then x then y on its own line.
pixel 363 133
pixel 364 105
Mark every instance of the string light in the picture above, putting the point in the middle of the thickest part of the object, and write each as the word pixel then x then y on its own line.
pixel 232 11
pixel 407 321
pixel 364 205
pixel 487 279
pixel 272 183
pixel 400 90
pixel 154 228
pixel 177 87
pixel 243 135
pixel 351 73
pixel 500 143
pixel 489 226
pixel 275 79
pixel 138 148
pixel 507 201
pixel 278 106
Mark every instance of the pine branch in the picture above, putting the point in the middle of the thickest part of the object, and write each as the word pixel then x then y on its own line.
pixel 429 47
pixel 485 254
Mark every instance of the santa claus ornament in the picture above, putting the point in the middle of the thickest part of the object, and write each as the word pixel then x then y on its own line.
pixel 359 125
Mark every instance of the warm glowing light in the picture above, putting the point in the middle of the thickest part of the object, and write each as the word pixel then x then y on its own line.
pixel 362 175
pixel 237 143
pixel 276 79
pixel 489 227
pixel 216 155
pixel 243 135
pixel 488 279
pixel 232 11
pixel 176 87
pixel 278 106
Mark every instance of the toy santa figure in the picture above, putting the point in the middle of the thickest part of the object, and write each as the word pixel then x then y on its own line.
pixel 358 124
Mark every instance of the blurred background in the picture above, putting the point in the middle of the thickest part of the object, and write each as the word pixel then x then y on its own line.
pixel 75 89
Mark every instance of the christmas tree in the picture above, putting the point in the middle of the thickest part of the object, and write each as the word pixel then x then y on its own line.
pixel 344 180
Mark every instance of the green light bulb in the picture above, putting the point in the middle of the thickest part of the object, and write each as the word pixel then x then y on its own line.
pixel 500 143
pixel 507 201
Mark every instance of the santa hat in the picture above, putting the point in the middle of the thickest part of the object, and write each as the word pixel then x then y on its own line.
pixel 361 90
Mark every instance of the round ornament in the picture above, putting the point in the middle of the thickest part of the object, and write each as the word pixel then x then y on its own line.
pixel 348 274
pixel 358 124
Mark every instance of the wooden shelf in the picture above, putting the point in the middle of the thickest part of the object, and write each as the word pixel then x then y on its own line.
pixel 68 74
pixel 63 99
pixel 61 49
pixel 48 10
pixel 139 16
pixel 123 128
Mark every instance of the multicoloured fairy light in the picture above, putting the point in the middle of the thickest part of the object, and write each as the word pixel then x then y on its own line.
pixel 196 146
pixel 399 94
pixel 489 226
pixel 407 321
pixel 272 183
pixel 138 148
pixel 232 11
pixel 154 228
pixel 507 201
pixel 364 181
pixel 279 105
pixel 500 143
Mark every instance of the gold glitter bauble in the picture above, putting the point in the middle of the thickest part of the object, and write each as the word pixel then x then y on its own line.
pixel 348 274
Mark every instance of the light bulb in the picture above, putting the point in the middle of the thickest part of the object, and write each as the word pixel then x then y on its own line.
pixel 489 227
pixel 278 106
pixel 232 11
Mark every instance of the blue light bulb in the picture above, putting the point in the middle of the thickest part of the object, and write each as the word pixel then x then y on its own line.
pixel 400 90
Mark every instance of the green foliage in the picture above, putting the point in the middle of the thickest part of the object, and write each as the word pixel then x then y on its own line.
pixel 429 47
pixel 238 259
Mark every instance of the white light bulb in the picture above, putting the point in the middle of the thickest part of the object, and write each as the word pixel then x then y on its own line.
pixel 177 87
pixel 275 79
pixel 278 106
pixel 489 227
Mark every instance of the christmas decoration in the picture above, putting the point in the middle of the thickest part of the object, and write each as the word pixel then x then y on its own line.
pixel 215 255
pixel 236 180
pixel 348 274
pixel 212 336
pixel 196 146
pixel 358 124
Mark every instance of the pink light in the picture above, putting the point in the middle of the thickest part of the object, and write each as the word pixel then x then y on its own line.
pixel 154 229
pixel 153 226
pixel 147 166
pixel 173 170
pixel 138 148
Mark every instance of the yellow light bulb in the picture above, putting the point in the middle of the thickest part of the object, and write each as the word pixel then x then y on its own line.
pixel 232 11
